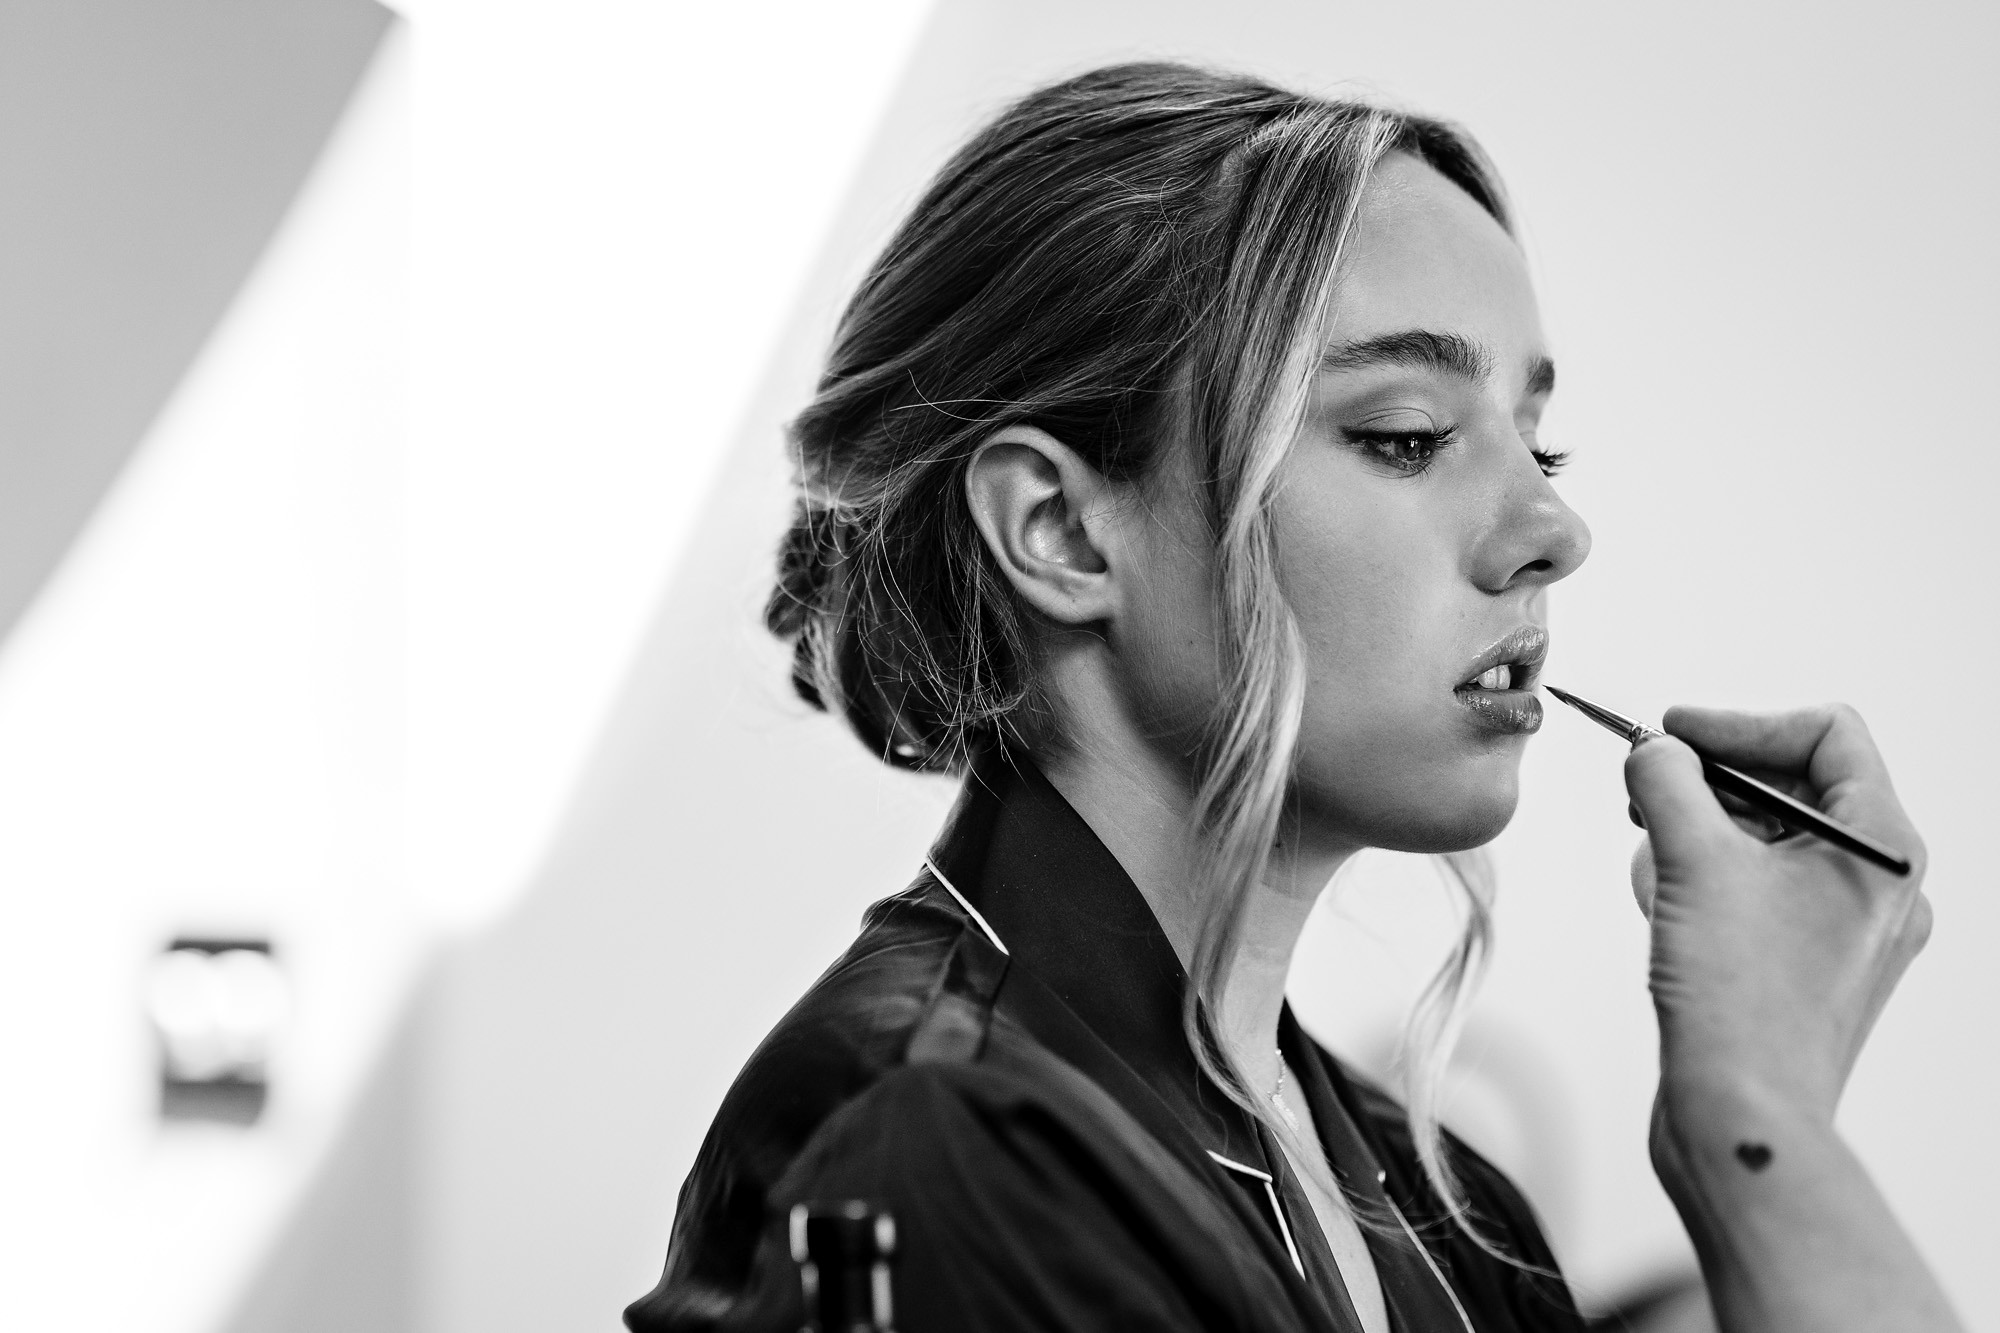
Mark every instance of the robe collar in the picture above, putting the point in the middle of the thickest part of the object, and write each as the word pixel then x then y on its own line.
pixel 1093 976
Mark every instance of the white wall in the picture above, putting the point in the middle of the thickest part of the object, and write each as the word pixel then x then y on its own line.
pixel 314 675
pixel 582 341
pixel 200 730
pixel 615 205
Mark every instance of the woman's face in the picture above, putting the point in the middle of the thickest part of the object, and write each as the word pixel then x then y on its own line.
pixel 1418 532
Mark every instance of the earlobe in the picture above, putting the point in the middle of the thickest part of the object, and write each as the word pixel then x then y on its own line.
pixel 1040 508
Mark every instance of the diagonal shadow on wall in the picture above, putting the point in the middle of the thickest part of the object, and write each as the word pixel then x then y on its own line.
pixel 149 149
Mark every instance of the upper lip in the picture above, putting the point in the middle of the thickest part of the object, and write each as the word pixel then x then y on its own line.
pixel 1523 649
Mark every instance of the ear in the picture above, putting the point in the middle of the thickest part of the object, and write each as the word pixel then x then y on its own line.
pixel 1044 513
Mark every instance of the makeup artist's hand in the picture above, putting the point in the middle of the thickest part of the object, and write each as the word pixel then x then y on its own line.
pixel 1771 961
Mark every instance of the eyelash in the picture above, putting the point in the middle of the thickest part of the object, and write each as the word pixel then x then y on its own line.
pixel 1380 442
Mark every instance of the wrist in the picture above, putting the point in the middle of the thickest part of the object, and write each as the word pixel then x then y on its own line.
pixel 1792 1235
pixel 1708 1133
pixel 1709 1082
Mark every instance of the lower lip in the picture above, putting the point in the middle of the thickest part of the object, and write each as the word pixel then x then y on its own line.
pixel 1506 712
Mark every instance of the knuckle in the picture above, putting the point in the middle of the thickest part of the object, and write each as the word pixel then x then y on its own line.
pixel 1892 827
pixel 1664 750
pixel 1643 760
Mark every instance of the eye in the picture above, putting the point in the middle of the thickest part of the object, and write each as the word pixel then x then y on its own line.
pixel 1409 450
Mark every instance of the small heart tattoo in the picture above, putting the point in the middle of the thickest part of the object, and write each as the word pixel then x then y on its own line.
pixel 1756 1156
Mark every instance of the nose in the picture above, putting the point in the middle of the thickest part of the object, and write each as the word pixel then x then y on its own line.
pixel 1535 539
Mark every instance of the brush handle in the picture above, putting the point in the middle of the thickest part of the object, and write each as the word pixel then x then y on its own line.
pixel 1800 817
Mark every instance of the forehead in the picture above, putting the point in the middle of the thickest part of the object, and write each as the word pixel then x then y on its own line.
pixel 1424 254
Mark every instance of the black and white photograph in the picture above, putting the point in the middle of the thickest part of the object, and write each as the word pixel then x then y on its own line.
pixel 958 666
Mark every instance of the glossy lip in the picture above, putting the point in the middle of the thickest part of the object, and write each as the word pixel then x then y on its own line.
pixel 1515 711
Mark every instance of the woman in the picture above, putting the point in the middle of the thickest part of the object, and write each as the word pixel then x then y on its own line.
pixel 1174 478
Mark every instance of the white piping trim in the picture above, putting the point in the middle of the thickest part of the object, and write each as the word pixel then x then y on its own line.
pixel 1220 1160
pixel 970 910
pixel 1284 1229
pixel 1381 1178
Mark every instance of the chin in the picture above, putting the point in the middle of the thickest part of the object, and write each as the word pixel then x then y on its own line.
pixel 1460 830
pixel 1450 814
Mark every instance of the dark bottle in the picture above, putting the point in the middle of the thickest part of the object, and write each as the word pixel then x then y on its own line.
pixel 845 1252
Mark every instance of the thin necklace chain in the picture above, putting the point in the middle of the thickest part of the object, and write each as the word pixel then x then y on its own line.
pixel 1278 1096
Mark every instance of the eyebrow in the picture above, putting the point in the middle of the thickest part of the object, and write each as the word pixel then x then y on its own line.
pixel 1428 349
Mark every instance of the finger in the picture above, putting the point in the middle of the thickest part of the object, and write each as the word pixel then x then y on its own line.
pixel 1645 877
pixel 1757 823
pixel 1827 744
pixel 1683 818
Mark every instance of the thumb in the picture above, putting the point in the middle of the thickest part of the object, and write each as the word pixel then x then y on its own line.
pixel 1683 818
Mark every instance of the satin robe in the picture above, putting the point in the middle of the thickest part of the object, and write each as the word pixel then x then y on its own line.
pixel 1000 1064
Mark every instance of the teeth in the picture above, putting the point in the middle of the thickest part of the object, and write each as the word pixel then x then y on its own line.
pixel 1499 678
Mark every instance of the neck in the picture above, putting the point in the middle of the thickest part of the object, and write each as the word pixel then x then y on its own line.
pixel 1138 796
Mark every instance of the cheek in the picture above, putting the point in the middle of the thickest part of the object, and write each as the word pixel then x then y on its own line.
pixel 1373 588
pixel 1385 755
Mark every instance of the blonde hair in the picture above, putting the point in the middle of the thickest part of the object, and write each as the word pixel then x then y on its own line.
pixel 1254 416
pixel 1142 251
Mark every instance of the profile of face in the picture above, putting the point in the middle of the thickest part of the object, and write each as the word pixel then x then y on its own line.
pixel 1418 531
pixel 1417 535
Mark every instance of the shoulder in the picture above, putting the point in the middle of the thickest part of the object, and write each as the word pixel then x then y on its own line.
pixel 846 1032
pixel 1024 1195
pixel 849 1028
pixel 1021 1200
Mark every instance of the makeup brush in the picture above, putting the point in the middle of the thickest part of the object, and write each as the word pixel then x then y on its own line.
pixel 1794 815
